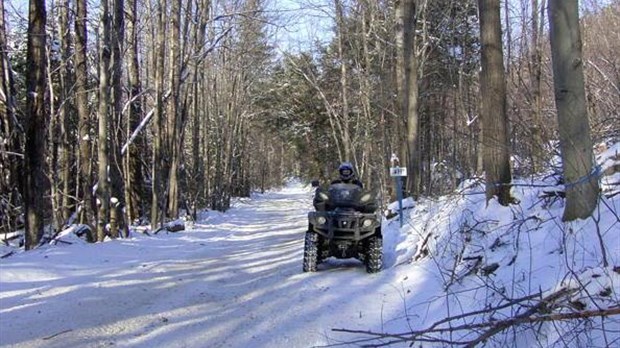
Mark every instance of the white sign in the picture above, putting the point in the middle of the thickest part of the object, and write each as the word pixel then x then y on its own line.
pixel 398 171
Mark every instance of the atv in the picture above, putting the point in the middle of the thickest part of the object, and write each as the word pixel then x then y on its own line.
pixel 346 223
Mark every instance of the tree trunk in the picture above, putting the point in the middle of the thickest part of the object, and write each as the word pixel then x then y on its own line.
pixel 133 171
pixel 84 127
pixel 157 172
pixel 346 137
pixel 11 132
pixel 173 120
pixel 366 165
pixel 103 188
pixel 580 179
pixel 508 27
pixel 54 131
pixel 536 73
pixel 199 116
pixel 34 187
pixel 67 111
pixel 59 104
pixel 496 143
pixel 7 101
pixel 116 128
pixel 409 99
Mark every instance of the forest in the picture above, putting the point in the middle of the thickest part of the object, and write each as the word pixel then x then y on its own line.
pixel 124 112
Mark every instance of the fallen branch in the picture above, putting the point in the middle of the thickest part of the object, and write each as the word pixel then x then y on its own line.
pixel 504 324
pixel 7 255
pixel 58 240
pixel 532 315
pixel 56 334
pixel 497 326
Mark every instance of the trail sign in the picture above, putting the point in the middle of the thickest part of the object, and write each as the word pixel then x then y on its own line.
pixel 398 171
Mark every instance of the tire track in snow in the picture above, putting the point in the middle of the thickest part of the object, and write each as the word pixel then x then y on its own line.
pixel 233 281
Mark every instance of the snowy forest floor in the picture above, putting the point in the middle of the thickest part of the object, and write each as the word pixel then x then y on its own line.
pixel 235 280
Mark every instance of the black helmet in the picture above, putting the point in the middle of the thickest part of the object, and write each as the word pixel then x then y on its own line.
pixel 346 171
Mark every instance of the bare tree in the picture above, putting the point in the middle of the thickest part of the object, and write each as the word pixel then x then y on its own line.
pixel 173 119
pixel 133 166
pixel 346 137
pixel 117 41
pixel 198 129
pixel 67 110
pixel 56 110
pixel 103 186
pixel 157 164
pixel 496 142
pixel 413 49
pixel 580 178
pixel 536 82
pixel 10 133
pixel 85 179
pixel 35 179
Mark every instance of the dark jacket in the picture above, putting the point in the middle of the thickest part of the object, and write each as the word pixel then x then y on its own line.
pixel 352 181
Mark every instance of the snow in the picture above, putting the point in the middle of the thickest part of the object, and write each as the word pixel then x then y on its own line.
pixel 234 279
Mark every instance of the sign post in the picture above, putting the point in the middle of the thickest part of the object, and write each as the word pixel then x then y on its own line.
pixel 398 172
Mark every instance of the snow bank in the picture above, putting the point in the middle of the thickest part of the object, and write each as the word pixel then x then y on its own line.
pixel 484 263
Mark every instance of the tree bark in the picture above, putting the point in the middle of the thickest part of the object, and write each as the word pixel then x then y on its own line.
pixel 84 127
pixel 199 116
pixel 346 136
pixel 116 128
pixel 67 111
pixel 34 187
pixel 174 123
pixel 158 165
pixel 536 84
pixel 54 129
pixel 580 178
pixel 133 171
pixel 103 187
pixel 410 97
pixel 496 142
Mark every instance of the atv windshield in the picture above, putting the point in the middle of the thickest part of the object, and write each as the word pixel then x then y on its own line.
pixel 344 195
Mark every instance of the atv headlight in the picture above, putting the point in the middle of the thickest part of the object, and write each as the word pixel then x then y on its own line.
pixel 365 198
pixel 321 220
pixel 367 223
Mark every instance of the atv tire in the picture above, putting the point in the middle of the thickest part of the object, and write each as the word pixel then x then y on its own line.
pixel 311 252
pixel 374 254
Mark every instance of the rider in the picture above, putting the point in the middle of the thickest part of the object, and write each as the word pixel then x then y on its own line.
pixel 347 175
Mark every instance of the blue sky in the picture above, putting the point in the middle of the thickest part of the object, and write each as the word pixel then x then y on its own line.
pixel 305 22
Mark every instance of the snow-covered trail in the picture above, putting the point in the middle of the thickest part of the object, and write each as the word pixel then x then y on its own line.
pixel 233 280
